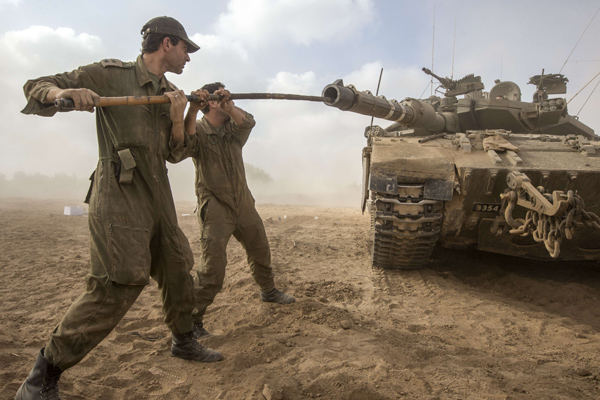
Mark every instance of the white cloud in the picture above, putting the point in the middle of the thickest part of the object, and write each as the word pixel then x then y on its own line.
pixel 285 82
pixel 396 83
pixel 69 140
pixel 41 47
pixel 221 46
pixel 219 59
pixel 265 22
pixel 11 2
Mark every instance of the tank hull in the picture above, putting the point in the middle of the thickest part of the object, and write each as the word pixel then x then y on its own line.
pixel 466 184
pixel 488 171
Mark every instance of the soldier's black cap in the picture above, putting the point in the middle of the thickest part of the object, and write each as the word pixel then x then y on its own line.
pixel 169 26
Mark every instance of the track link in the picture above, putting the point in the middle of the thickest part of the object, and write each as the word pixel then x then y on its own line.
pixel 405 228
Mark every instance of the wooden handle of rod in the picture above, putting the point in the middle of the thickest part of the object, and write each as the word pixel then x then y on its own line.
pixel 66 104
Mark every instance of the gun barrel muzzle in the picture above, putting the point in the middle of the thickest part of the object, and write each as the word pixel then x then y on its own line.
pixel 347 98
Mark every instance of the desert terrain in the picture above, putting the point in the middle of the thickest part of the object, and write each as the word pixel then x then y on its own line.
pixel 469 326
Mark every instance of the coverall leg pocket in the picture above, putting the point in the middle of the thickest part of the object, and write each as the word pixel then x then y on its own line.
pixel 183 246
pixel 202 213
pixel 129 249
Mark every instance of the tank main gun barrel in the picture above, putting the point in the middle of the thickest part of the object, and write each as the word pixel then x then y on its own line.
pixel 347 98
pixel 409 112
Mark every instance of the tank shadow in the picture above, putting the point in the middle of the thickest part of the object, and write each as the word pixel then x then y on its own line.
pixel 570 289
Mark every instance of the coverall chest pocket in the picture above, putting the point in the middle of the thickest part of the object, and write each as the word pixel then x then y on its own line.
pixel 212 146
pixel 129 251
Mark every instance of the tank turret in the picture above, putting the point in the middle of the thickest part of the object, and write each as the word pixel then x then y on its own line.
pixel 502 108
pixel 476 169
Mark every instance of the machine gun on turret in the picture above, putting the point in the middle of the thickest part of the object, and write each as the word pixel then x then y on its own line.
pixel 468 84
pixel 548 84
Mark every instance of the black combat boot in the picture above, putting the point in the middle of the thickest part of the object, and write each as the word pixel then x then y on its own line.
pixel 275 296
pixel 200 332
pixel 185 346
pixel 42 382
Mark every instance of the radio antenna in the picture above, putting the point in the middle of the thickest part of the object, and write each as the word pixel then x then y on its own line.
pixel 586 100
pixel 432 49
pixel 585 30
pixel 584 86
pixel 453 46
pixel 377 92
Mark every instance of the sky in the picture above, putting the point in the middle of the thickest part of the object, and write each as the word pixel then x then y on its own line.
pixel 290 46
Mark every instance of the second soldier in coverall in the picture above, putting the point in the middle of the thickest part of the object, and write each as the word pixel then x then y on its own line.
pixel 225 204
pixel 134 233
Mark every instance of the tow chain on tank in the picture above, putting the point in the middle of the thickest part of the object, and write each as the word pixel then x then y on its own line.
pixel 551 230
pixel 406 228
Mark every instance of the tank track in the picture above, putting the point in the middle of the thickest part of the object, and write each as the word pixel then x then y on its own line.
pixel 405 228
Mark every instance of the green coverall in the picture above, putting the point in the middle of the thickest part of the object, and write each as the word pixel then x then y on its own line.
pixel 132 219
pixel 226 207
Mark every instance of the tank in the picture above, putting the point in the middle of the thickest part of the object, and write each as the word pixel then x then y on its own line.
pixel 476 169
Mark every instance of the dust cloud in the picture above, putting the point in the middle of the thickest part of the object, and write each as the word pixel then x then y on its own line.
pixel 268 190
pixel 265 189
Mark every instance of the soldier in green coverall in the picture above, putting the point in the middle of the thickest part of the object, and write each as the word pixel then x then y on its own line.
pixel 225 204
pixel 133 226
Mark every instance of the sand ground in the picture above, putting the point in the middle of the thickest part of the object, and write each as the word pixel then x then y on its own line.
pixel 469 326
